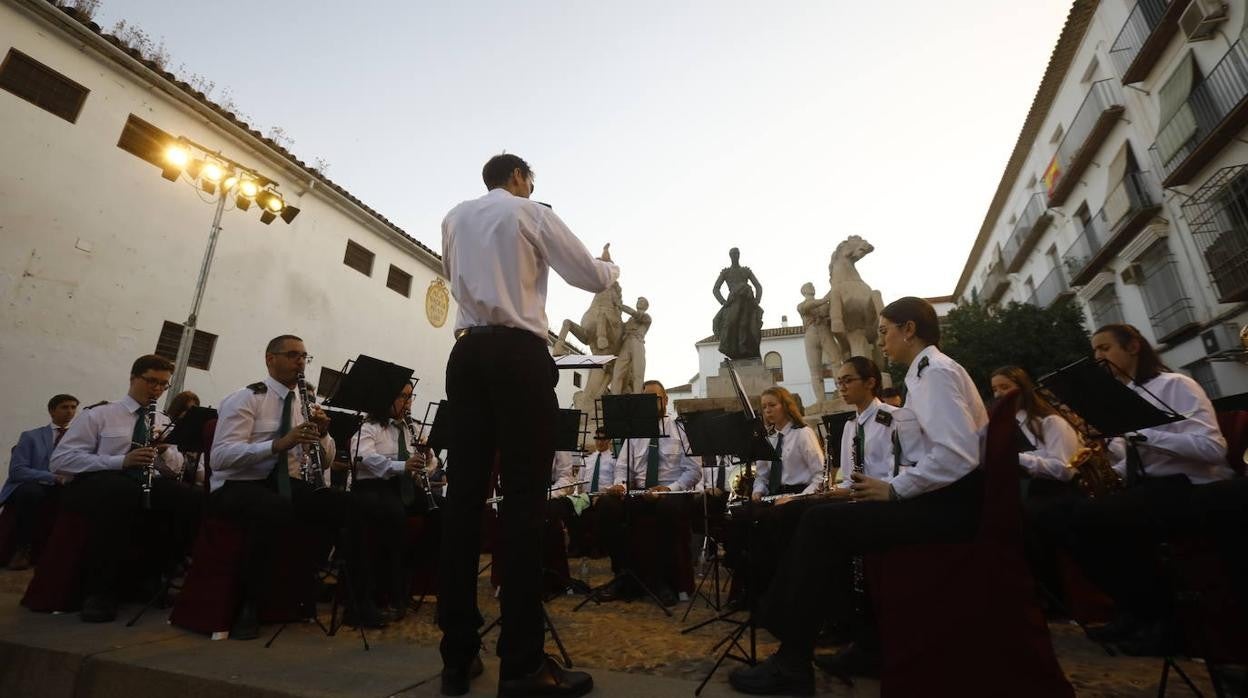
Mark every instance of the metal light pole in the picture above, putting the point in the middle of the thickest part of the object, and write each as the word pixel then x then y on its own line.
pixel 188 329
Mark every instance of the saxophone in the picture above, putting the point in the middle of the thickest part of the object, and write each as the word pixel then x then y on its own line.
pixel 310 460
pixel 1092 471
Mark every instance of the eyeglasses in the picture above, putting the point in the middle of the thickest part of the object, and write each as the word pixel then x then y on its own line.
pixel 293 355
pixel 155 382
pixel 846 380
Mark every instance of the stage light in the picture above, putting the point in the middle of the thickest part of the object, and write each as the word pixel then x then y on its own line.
pixel 176 159
pixel 270 201
pixel 267 217
pixel 289 213
pixel 208 186
pixel 249 188
pixel 193 168
pixel 229 183
pixel 242 202
pixel 212 172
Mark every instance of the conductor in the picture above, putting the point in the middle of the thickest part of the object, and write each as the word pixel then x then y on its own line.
pixel 497 251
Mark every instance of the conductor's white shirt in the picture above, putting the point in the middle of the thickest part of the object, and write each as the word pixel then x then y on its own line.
pixel 497 251
pixel 100 437
pixel 247 426
pixel 801 461
pixel 950 415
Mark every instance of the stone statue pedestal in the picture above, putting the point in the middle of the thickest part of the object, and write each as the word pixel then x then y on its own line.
pixel 755 378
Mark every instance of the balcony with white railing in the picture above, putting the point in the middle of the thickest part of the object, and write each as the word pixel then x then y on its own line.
pixel 1217 215
pixel 1127 209
pixel 1144 37
pixel 1051 290
pixel 1096 117
pixel 1214 113
pixel 1028 228
pixel 996 282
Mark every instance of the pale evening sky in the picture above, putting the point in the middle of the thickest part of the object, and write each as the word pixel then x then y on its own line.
pixel 673 130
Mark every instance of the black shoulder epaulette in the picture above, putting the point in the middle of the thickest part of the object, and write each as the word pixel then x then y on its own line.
pixel 101 402
pixel 923 363
pixel 259 388
pixel 883 417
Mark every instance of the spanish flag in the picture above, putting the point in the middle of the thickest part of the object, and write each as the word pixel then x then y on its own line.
pixel 1052 173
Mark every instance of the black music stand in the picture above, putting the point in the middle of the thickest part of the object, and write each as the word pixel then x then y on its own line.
pixel 744 431
pixel 343 426
pixel 1106 405
pixel 696 426
pixel 188 436
pixel 628 417
pixel 570 431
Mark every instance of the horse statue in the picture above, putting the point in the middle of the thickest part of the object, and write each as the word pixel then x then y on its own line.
pixel 601 327
pixel 853 307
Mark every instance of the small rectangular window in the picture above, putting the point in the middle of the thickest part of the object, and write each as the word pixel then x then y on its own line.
pixel 202 345
pixel 359 258
pixel 399 281
pixel 328 382
pixel 576 379
pixel 41 86
pixel 144 141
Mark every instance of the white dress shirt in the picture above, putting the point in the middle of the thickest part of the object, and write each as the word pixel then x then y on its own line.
pixel 603 463
pixel 950 415
pixel 1052 453
pixel 377 446
pixel 247 426
pixel 801 461
pixel 562 475
pixel 497 251
pixel 100 437
pixel 880 456
pixel 1193 447
pixel 677 470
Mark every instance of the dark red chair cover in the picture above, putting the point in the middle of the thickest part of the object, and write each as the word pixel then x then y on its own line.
pixel 46 519
pixel 57 582
pixel 962 619
pixel 209 597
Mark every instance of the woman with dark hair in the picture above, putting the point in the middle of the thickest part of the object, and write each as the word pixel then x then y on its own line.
pixel 938 499
pixel 1115 538
pixel 1053 439
pixel 870 442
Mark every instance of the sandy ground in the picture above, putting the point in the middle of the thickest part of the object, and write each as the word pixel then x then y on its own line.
pixel 637 637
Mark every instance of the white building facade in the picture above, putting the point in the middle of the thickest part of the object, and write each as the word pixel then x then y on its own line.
pixel 1128 188
pixel 101 255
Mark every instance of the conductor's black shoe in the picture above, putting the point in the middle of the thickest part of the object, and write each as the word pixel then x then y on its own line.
pixel 455 680
pixel 853 660
pixel 667 597
pixel 550 679
pixel 363 615
pixel 99 608
pixel 772 677
pixel 246 624
pixel 1122 627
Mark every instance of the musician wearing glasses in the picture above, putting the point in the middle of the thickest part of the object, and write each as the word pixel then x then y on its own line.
pixel 656 467
pixel 871 442
pixel 388 464
pixel 266 476
pixel 936 500
pixel 30 483
pixel 122 478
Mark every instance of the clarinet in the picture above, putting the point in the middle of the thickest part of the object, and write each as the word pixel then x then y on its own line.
pixel 858 457
pixel 422 475
pixel 149 471
pixel 310 462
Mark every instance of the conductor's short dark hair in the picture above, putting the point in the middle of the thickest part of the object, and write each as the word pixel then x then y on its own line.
pixel 499 168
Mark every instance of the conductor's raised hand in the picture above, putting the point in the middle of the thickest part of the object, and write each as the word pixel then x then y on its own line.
pixel 606 253
pixel 869 489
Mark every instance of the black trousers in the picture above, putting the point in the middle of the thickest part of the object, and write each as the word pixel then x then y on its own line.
pixel 1223 511
pixel 27 501
pixel 1114 540
pixel 1044 502
pixel 562 511
pixel 112 502
pixel 386 527
pixel 617 529
pixel 817 567
pixel 765 534
pixel 266 517
pixel 500 387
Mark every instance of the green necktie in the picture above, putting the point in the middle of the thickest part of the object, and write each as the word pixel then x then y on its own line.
pixel 137 439
pixel 280 476
pixel 652 464
pixel 593 486
pixel 776 481
pixel 860 445
pixel 407 489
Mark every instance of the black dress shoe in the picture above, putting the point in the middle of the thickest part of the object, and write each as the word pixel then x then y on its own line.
pixel 455 680
pixel 772 678
pixel 667 597
pixel 99 608
pixel 853 660
pixel 246 624
pixel 616 591
pixel 550 679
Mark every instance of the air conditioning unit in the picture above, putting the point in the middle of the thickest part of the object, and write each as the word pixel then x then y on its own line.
pixel 1220 338
pixel 1201 19
pixel 1133 275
